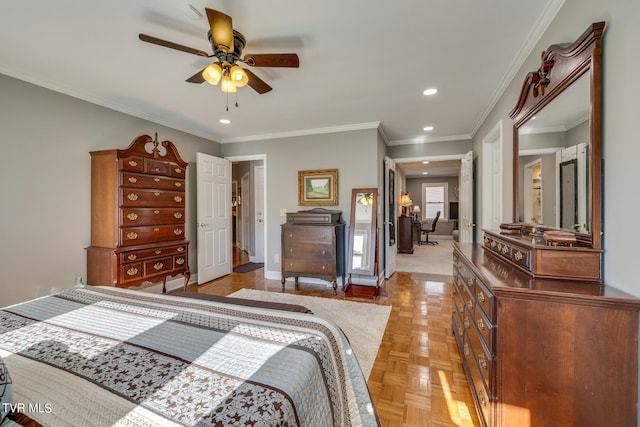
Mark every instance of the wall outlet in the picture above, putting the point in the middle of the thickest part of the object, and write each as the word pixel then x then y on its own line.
pixel 276 258
pixel 283 211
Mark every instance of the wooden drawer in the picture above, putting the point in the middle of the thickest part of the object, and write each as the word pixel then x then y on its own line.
pixel 150 216
pixel 133 180
pixel 318 253
pixel 130 236
pixel 308 265
pixel 131 271
pixel 486 330
pixel 308 234
pixel 478 388
pixel 131 164
pixel 130 197
pixel 157 266
pixel 485 300
pixel 521 256
pixel 140 255
pixel 179 261
pixel 158 167
pixel 484 359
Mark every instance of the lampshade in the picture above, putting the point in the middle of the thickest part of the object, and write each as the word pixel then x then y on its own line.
pixel 226 84
pixel 238 76
pixel 405 200
pixel 416 209
pixel 212 74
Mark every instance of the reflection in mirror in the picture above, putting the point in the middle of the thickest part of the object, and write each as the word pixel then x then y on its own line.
pixel 363 232
pixel 553 172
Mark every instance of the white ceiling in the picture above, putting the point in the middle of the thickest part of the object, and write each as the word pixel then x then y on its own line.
pixel 363 64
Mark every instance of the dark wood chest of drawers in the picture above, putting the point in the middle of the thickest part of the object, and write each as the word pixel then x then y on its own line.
pixel 313 246
pixel 543 352
pixel 137 215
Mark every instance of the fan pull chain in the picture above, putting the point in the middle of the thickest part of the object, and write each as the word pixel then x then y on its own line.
pixel 237 100
pixel 227 101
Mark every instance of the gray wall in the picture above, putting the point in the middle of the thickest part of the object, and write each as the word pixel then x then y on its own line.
pixel 45 180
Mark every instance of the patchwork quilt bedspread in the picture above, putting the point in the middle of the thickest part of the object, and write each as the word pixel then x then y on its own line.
pixel 106 356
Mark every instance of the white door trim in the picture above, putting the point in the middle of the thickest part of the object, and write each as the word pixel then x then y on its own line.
pixel 492 178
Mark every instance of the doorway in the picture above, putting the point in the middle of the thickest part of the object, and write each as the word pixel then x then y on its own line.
pixel 250 211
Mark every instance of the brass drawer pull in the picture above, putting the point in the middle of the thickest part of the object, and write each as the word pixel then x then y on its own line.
pixel 180 249
pixel 178 184
pixel 158 265
pixel 324 267
pixel 454 291
pixel 156 179
pixel 482 361
pixel 156 194
pixel 177 215
pixel 133 163
pixel 466 322
pixel 291 250
pixel 158 252
pixel 132 180
pixel 132 271
pixel 132 235
pixel 132 257
pixel 518 255
pixel 481 324
pixel 482 398
pixel 466 349
pixel 132 196
pixel 132 216
pixel 505 249
pixel 180 261
pixel 177 232
pixel 324 252
pixel 470 304
pixel 177 199
pixel 178 170
pixel 156 229
pixel 481 296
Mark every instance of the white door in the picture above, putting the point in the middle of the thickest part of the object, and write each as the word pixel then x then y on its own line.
pixel 390 214
pixel 244 212
pixel 466 198
pixel 214 217
pixel 259 213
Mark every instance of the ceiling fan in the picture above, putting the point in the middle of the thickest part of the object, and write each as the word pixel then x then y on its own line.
pixel 227 45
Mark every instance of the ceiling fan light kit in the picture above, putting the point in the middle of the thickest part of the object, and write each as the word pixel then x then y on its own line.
pixel 227 47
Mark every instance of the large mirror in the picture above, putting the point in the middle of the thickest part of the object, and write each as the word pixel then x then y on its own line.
pixel 363 232
pixel 557 140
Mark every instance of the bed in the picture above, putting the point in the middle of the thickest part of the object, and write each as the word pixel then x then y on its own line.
pixel 107 356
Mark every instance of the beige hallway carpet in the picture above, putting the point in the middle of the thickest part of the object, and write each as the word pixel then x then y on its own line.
pixel 350 316
pixel 428 259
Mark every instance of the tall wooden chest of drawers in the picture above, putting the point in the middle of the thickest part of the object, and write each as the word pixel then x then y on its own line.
pixel 543 352
pixel 313 246
pixel 137 215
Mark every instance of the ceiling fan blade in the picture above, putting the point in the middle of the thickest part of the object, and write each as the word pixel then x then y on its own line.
pixel 257 83
pixel 172 45
pixel 197 77
pixel 221 30
pixel 272 60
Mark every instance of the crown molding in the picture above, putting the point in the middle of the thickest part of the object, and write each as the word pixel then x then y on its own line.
pixel 303 132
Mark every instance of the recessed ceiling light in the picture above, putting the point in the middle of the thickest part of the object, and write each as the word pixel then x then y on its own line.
pixel 425 173
pixel 428 128
pixel 431 91
pixel 424 162
pixel 225 121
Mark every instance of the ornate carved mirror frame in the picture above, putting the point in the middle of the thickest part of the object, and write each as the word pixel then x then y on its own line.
pixel 562 65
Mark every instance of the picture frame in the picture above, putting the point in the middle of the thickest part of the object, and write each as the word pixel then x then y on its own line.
pixel 318 187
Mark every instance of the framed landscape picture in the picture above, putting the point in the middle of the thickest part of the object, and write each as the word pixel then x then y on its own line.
pixel 318 187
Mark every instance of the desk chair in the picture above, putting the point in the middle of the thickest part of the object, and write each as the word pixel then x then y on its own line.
pixel 427 230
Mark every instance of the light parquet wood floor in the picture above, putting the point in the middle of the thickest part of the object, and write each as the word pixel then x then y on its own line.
pixel 417 378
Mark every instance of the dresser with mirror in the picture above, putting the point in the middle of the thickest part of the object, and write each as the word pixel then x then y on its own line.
pixel 543 340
